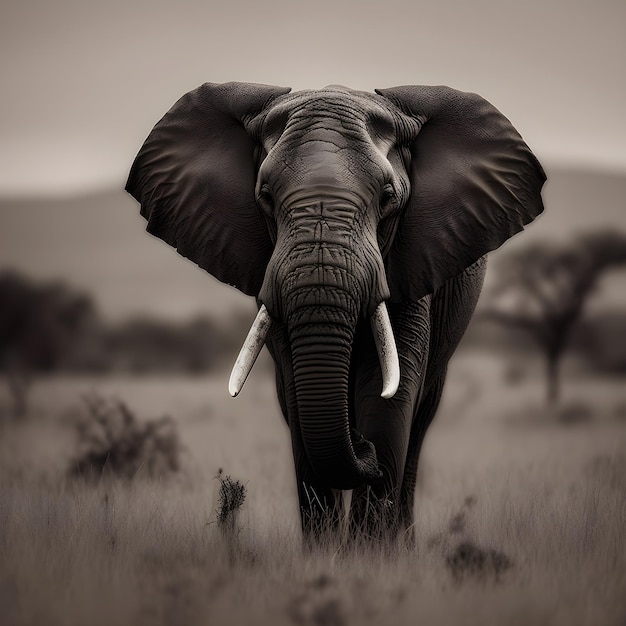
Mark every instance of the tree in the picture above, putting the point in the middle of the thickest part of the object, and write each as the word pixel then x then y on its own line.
pixel 543 287
pixel 40 324
pixel 148 344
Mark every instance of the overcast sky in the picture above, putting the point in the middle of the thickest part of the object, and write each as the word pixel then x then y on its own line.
pixel 84 81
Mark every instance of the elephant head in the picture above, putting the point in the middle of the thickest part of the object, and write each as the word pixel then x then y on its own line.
pixel 324 205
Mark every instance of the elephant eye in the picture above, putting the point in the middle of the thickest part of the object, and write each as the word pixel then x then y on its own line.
pixel 388 198
pixel 265 200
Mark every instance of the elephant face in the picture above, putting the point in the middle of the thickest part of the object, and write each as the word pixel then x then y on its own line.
pixel 331 183
pixel 323 205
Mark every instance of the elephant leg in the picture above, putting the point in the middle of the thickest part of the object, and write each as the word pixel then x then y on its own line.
pixel 375 509
pixel 450 312
pixel 321 508
pixel 424 415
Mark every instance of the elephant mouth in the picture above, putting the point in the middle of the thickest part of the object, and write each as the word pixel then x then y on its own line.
pixel 383 339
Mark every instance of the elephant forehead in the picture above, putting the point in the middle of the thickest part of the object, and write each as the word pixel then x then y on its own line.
pixel 352 111
pixel 321 157
pixel 331 137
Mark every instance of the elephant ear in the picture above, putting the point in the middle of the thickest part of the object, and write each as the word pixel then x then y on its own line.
pixel 474 184
pixel 195 176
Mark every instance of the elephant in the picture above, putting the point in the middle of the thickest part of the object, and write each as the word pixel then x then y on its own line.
pixel 360 222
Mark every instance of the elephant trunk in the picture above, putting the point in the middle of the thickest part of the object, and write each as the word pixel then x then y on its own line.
pixel 321 363
pixel 318 284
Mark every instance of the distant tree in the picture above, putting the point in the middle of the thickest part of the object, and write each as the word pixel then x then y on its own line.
pixel 40 324
pixel 543 287
pixel 147 344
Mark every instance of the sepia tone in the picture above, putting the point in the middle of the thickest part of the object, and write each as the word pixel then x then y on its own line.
pixel 135 490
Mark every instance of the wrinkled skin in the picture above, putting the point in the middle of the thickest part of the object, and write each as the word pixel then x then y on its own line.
pixel 323 204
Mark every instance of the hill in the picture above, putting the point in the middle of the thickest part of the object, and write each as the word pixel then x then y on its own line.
pixel 98 243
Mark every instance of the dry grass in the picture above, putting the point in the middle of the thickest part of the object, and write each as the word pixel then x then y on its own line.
pixel 517 522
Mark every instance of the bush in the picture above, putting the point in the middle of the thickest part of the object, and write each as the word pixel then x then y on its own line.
pixel 112 440
pixel 468 560
pixel 232 495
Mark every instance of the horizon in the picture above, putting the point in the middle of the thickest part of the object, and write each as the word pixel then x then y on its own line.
pixel 97 242
pixel 92 189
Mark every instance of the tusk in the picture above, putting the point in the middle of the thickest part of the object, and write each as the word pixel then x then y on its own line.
pixel 387 352
pixel 249 351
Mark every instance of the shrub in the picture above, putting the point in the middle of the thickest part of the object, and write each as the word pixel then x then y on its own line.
pixel 232 495
pixel 112 440
pixel 470 560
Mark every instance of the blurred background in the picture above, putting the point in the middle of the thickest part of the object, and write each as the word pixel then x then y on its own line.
pixel 85 291
pixel 115 351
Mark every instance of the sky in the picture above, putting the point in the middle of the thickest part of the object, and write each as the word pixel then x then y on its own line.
pixel 84 81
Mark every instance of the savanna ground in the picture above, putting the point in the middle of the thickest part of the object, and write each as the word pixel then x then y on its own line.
pixel 521 513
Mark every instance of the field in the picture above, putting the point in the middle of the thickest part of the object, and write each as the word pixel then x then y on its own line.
pixel 521 513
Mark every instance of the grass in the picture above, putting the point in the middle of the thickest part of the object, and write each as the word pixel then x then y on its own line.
pixel 517 523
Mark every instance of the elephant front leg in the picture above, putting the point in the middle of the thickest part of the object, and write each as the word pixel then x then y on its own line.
pixel 321 508
pixel 376 510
